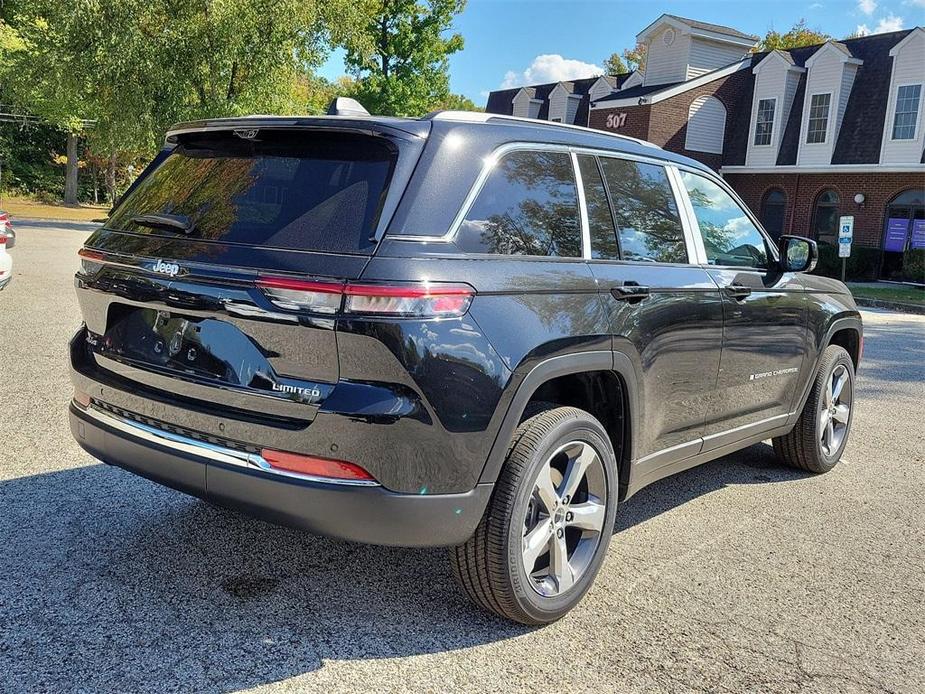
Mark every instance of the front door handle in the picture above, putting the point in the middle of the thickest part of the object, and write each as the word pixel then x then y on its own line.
pixel 630 292
pixel 738 291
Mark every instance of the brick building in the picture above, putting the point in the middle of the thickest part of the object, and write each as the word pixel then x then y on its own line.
pixel 804 136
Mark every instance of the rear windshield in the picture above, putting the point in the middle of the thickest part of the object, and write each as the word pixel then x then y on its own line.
pixel 281 189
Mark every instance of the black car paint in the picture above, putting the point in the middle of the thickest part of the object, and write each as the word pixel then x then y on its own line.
pixel 427 406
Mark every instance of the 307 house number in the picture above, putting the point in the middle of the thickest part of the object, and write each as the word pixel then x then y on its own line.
pixel 616 120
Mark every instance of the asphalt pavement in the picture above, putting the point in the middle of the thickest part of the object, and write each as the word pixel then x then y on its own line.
pixel 739 575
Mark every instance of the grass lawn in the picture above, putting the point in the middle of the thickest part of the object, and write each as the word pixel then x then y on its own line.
pixel 26 207
pixel 889 292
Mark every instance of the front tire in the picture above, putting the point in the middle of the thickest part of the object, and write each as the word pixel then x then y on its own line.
pixel 819 438
pixel 548 525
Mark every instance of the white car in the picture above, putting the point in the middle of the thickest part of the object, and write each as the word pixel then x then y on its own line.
pixel 6 261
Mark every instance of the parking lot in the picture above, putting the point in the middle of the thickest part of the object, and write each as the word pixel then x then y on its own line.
pixel 736 576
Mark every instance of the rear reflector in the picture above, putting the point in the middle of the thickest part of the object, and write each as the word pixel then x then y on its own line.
pixel 82 399
pixel 424 300
pixel 315 467
pixel 2 239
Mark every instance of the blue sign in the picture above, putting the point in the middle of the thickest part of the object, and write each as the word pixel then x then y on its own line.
pixel 918 234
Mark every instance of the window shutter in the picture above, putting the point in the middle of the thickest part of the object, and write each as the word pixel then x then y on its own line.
pixel 706 125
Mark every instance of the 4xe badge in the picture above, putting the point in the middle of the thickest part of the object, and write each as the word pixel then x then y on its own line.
pixel 169 269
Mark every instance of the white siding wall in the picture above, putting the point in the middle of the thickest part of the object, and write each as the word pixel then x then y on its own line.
pixel 706 125
pixel 773 81
pixel 571 108
pixel 907 69
pixel 557 99
pixel 599 89
pixel 666 64
pixel 708 55
pixel 522 104
pixel 824 77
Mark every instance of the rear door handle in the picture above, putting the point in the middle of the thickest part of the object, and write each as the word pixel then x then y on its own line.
pixel 738 291
pixel 629 292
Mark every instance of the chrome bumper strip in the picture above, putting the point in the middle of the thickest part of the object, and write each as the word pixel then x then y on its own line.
pixel 209 451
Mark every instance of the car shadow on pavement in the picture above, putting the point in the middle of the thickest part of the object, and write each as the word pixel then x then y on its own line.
pixel 113 583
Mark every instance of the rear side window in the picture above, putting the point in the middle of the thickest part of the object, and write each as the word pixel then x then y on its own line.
pixel 528 206
pixel 284 189
pixel 645 210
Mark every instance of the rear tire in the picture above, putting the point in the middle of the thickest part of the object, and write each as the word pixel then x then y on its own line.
pixel 817 441
pixel 547 527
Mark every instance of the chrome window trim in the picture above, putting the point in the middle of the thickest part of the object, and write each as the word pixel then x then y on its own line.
pixel 582 209
pixel 208 451
pixel 492 159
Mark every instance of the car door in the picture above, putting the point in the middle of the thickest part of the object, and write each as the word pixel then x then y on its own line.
pixel 665 312
pixel 764 337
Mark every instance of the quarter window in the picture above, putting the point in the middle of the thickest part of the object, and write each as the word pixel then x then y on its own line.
pixel 907 111
pixel 600 219
pixel 764 125
pixel 528 206
pixel 645 210
pixel 729 236
pixel 818 118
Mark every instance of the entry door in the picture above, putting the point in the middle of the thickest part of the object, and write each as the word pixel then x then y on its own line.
pixel 665 312
pixel 765 334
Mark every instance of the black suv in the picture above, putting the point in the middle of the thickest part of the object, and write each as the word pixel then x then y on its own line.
pixel 463 330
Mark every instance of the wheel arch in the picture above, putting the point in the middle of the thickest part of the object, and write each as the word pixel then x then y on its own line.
pixel 618 364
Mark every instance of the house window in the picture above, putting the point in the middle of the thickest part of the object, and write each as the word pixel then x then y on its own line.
pixel 773 211
pixel 818 118
pixel 825 216
pixel 764 124
pixel 907 111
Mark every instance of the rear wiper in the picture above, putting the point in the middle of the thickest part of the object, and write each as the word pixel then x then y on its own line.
pixel 177 222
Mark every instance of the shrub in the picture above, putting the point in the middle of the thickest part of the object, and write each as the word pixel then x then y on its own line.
pixel 862 265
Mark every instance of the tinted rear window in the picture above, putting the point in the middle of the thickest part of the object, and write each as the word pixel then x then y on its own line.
pixel 295 189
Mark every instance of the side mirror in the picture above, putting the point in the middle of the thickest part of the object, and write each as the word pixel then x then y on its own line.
pixel 797 254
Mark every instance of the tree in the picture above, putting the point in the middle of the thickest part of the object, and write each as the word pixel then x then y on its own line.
pixel 614 65
pixel 636 58
pixel 456 102
pixel 136 66
pixel 399 58
pixel 798 36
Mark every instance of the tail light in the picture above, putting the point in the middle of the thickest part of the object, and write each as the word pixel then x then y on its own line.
pixel 424 300
pixel 3 238
pixel 90 260
pixel 315 467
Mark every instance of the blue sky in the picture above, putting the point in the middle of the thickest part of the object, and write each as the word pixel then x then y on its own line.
pixel 512 42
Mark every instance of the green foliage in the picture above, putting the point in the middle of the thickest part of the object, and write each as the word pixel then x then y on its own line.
pixel 614 65
pixel 862 265
pixel 27 152
pixel 400 56
pixel 635 58
pixel 457 102
pixel 136 66
pixel 798 36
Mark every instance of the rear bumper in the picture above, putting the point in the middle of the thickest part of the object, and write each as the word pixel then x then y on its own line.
pixel 360 513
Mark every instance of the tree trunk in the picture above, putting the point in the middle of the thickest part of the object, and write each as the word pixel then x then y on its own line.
pixel 96 185
pixel 70 173
pixel 111 179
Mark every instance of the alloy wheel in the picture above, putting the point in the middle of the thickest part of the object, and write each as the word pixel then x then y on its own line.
pixel 565 518
pixel 836 410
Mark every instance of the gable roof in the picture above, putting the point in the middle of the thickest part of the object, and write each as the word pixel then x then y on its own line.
pixel 714 31
pixel 715 28
pixel 501 101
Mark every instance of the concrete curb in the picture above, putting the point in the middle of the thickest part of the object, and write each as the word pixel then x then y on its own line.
pixel 891 305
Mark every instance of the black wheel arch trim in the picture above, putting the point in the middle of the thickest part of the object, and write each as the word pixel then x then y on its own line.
pixel 850 322
pixel 619 362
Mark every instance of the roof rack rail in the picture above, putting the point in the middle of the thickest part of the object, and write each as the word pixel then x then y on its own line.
pixel 479 117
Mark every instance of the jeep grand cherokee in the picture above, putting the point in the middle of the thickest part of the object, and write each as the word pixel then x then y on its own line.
pixel 463 330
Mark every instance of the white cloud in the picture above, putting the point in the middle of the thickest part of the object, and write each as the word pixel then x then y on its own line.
pixel 889 23
pixel 550 68
pixel 862 30
pixel 914 3
pixel 816 6
pixel 867 6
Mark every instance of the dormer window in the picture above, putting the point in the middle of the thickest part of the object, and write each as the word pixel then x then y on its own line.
pixel 907 111
pixel 764 125
pixel 818 118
